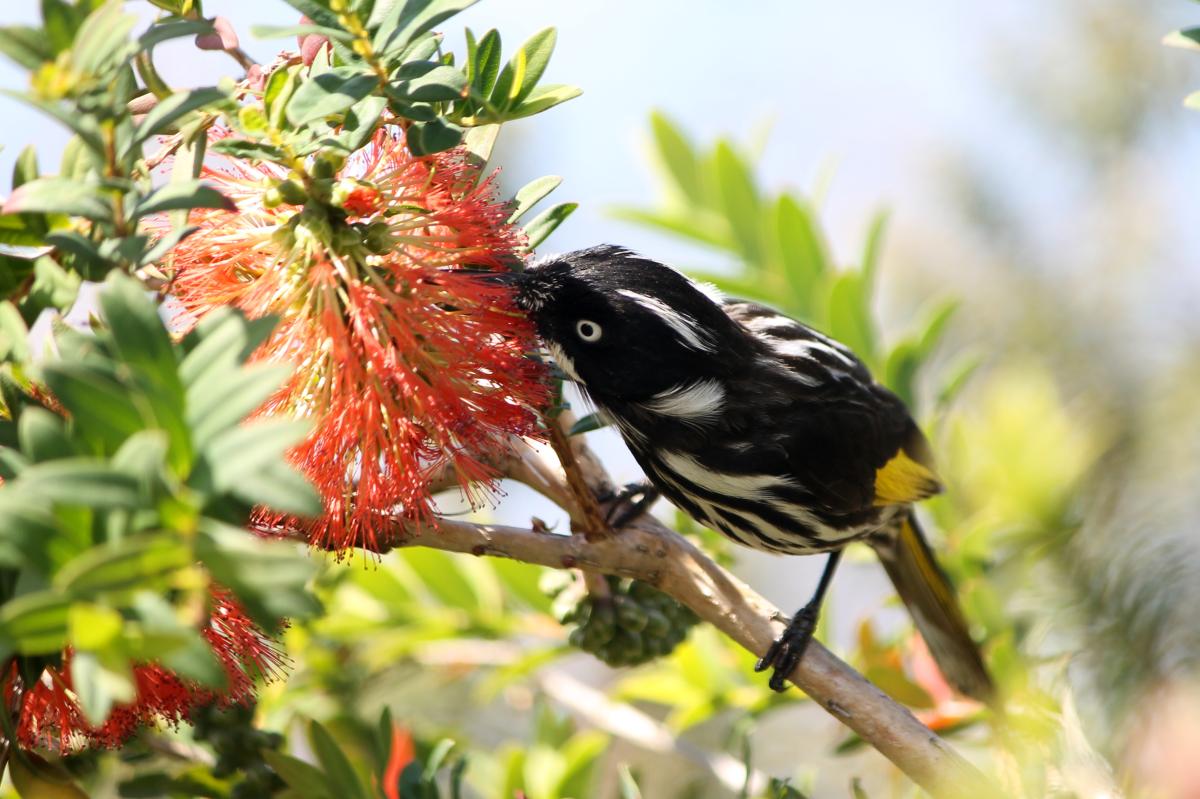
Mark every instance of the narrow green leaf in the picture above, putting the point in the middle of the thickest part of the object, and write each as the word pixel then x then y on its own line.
pixel 678 157
pixel 627 785
pixel 239 452
pixel 337 766
pixel 81 481
pixel 850 318
pixel 287 31
pixel 536 52
pixel 874 245
pixel 60 196
pixel 174 29
pixel 182 195
pixel 799 247
pixel 329 93
pixel 36 623
pixel 145 562
pixel 25 168
pixel 97 686
pixel 102 43
pixel 586 424
pixel 739 202
pixel 27 46
pixel 486 65
pixel 434 136
pixel 270 578
pixel 99 405
pixel 543 98
pixel 437 83
pixel 223 339
pixel 43 435
pixel 282 488
pixel 701 226
pixel 221 404
pixel 304 779
pixel 27 529
pixel 83 125
pixel 169 111
pixel 531 194
pixel 545 223
pixel 413 18
pixel 479 142
pixel 248 150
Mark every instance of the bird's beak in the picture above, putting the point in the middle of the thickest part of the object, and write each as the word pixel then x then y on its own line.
pixel 485 275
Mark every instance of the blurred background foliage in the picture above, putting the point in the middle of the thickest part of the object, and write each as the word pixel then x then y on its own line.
pixel 1053 361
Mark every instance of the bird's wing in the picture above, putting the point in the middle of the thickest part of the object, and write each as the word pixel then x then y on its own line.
pixel 849 441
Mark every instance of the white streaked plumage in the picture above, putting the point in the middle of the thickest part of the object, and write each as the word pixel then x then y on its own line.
pixel 800 348
pixel 687 328
pixel 564 362
pixel 695 403
pixel 742 486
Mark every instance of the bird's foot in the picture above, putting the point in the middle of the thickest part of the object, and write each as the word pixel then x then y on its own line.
pixel 629 502
pixel 787 650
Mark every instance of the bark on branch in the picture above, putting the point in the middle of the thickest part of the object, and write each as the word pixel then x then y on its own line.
pixel 649 551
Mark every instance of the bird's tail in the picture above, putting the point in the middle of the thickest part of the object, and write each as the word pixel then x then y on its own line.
pixel 930 598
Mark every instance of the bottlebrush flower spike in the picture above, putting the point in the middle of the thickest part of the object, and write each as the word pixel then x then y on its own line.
pixel 408 370
pixel 50 717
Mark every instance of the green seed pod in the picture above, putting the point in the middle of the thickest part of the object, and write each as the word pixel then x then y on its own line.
pixel 630 615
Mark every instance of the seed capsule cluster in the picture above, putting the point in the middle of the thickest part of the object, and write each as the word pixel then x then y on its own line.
pixel 238 745
pixel 635 623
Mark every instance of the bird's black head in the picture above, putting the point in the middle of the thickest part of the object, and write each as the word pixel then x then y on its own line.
pixel 626 327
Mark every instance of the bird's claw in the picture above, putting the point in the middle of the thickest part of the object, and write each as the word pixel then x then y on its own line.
pixel 787 650
pixel 630 502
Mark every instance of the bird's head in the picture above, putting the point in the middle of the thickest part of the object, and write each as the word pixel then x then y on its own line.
pixel 626 327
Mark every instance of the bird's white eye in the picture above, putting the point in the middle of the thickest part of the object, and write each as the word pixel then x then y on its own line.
pixel 588 330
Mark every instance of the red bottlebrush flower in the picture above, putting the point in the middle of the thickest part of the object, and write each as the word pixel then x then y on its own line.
pixel 409 370
pixel 400 753
pixel 50 717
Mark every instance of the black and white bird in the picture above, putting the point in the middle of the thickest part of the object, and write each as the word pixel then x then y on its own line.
pixel 756 426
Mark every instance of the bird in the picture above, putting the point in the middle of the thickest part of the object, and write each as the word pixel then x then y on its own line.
pixel 755 425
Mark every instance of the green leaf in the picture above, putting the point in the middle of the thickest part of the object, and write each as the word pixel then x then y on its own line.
pixel 144 562
pixel 874 245
pixel 29 47
pixel 93 627
pixel 102 43
pixel 299 31
pixel 248 150
pixel 800 248
pixel 100 406
pixel 182 195
pixel 305 779
pixel 850 318
pixel 269 577
pixel 221 341
pixel 485 65
pixel 406 21
pixel 35 624
pixel 167 112
pixel 43 436
pixel 220 404
pixel 529 64
pixel 27 529
pixel 701 226
pixel 240 452
pixel 433 83
pixel 25 168
pixel 678 157
pixel 531 194
pixel 545 223
pixel 81 481
pixel 60 196
pixel 1188 38
pixel 174 29
pixel 739 202
pixel 586 424
pixel 627 785
pixel 329 93
pixel 282 488
pixel 434 136
pixel 543 98
pixel 97 686
pixel 83 125
pixel 479 141
pixel 338 770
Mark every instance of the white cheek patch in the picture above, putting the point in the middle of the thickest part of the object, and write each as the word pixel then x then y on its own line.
pixel 564 362
pixel 687 328
pixel 695 403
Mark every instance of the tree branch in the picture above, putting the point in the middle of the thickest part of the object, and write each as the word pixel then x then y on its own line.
pixel 648 551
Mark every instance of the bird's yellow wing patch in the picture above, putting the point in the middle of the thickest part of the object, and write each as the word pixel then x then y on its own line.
pixel 903 480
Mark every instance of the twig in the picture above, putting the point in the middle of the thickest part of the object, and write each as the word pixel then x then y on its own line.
pixel 595 526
